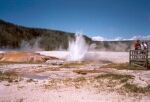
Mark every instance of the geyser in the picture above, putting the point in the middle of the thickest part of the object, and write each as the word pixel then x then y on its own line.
pixel 77 48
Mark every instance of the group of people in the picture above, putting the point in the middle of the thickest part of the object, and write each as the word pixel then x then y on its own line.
pixel 140 45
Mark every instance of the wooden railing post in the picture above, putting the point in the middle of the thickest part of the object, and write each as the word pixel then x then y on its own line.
pixel 147 58
pixel 130 57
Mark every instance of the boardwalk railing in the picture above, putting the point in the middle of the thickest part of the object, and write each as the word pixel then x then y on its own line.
pixel 139 58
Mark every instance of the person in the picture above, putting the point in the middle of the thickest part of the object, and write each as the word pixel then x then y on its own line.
pixel 142 46
pixel 145 45
pixel 137 45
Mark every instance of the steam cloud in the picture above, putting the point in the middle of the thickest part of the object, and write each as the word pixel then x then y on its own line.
pixel 32 45
pixel 100 38
pixel 77 48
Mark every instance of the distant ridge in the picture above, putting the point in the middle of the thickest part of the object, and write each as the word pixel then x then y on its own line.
pixel 13 36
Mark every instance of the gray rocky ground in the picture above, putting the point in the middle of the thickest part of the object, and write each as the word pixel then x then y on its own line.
pixel 62 81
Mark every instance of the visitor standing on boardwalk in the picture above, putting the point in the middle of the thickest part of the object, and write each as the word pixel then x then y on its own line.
pixel 137 45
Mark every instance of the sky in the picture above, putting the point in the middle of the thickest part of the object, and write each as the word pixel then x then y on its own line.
pixel 102 19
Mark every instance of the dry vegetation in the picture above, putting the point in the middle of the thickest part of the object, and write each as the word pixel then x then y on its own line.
pixel 110 82
pixel 84 72
pixel 114 79
pixel 121 78
pixel 9 76
pixel 73 64
pixel 121 66
pixel 67 82
pixel 136 89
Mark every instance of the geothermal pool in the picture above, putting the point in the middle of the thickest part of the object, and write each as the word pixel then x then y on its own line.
pixel 117 57
pixel 78 50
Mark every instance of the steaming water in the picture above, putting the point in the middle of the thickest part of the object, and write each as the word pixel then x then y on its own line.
pixel 77 48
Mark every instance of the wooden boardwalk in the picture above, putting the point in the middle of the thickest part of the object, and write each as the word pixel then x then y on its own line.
pixel 139 58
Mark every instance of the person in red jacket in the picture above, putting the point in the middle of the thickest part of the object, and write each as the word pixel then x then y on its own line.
pixel 137 45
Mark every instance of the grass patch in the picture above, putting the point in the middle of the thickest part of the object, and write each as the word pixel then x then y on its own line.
pixel 80 72
pixel 121 66
pixel 136 89
pixel 84 72
pixel 105 61
pixel 73 64
pixel 9 76
pixel 79 79
pixel 30 80
pixel 121 78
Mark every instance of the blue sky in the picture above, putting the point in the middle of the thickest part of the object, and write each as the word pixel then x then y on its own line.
pixel 106 18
